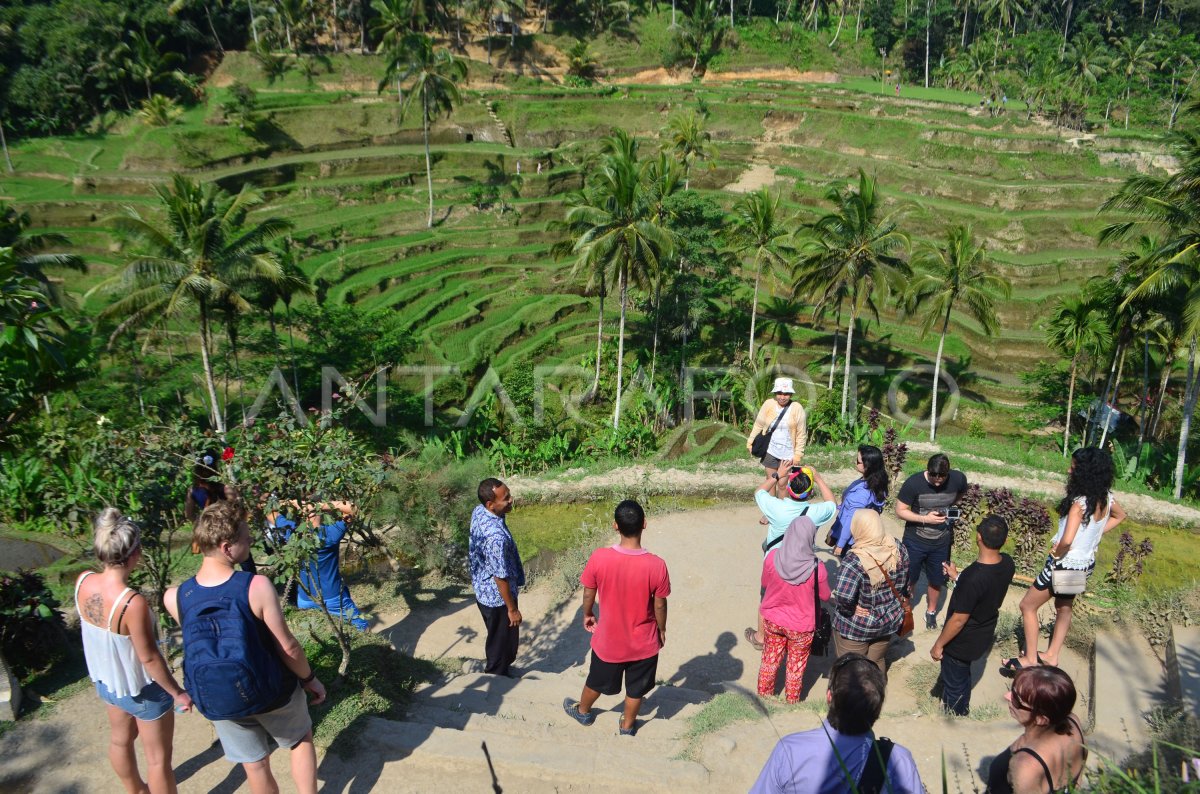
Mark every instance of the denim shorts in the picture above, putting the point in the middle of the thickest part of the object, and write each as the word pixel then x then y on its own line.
pixel 148 705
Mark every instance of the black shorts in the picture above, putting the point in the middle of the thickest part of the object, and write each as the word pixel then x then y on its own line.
pixel 770 462
pixel 605 677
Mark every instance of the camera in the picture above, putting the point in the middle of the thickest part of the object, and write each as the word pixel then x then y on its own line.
pixel 953 513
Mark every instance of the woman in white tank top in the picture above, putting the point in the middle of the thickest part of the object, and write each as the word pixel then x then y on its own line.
pixel 1087 512
pixel 123 659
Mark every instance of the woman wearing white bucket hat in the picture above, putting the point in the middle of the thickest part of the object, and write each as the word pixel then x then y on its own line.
pixel 783 425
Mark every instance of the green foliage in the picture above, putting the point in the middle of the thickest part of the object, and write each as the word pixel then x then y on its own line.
pixel 32 632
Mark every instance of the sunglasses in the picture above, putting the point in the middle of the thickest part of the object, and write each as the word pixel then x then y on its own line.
pixel 1015 699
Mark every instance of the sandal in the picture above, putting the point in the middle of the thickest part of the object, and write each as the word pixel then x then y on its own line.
pixel 752 637
pixel 1010 667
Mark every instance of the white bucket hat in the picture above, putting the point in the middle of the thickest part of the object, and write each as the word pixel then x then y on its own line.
pixel 783 385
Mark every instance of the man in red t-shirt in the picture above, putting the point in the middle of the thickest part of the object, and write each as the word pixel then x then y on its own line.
pixel 632 585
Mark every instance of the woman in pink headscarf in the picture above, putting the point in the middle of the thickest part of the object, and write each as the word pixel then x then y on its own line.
pixel 793 581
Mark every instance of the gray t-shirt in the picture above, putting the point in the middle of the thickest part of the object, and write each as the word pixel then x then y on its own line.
pixel 924 498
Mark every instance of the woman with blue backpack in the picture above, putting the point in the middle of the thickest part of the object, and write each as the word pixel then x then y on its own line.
pixel 123 658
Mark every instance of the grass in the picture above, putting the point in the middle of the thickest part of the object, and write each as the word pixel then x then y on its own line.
pixel 378 683
pixel 921 679
pixel 723 710
pixel 45 689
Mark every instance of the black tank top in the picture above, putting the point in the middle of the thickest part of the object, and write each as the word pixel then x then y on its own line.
pixel 997 779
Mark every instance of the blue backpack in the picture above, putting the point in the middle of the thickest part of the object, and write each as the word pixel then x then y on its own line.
pixel 230 667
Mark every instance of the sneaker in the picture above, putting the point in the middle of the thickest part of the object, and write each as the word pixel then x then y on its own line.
pixel 621 730
pixel 931 620
pixel 572 708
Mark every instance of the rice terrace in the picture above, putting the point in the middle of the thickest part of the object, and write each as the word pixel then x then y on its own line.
pixel 364 255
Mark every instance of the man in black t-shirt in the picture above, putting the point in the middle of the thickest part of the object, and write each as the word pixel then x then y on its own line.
pixel 974 607
pixel 923 504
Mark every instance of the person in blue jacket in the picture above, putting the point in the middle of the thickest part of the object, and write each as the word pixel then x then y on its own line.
pixel 321 577
pixel 870 490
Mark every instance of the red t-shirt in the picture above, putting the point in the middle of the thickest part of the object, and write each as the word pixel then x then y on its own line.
pixel 626 582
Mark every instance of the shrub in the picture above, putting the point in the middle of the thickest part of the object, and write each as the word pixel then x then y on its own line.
pixel 32 634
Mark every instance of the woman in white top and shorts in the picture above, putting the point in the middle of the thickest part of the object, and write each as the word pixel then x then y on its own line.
pixel 1088 511
pixel 786 446
pixel 123 659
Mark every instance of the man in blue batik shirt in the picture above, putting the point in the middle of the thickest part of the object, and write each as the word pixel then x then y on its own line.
pixel 496 575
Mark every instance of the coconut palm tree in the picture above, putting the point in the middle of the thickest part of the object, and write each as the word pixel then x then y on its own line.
pixel 30 258
pixel 619 236
pixel 1169 207
pixel 688 141
pixel 855 248
pixel 1132 59
pixel 760 235
pixel 293 282
pixel 958 270
pixel 435 75
pixel 201 254
pixel 1076 327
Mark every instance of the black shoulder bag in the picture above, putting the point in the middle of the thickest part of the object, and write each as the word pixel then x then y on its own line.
pixel 758 447
pixel 874 774
pixel 824 624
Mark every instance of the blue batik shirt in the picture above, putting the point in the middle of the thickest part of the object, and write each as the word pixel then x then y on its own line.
pixel 492 552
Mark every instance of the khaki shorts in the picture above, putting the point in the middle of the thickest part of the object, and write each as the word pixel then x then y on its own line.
pixel 248 740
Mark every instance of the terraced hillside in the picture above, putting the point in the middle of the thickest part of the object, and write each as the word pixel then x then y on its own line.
pixel 483 286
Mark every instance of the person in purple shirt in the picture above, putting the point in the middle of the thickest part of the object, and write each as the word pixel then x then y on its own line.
pixel 843 755
pixel 870 490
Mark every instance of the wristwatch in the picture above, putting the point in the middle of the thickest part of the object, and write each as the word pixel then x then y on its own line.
pixel 774 475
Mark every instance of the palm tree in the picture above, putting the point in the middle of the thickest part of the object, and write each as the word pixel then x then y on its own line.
pixel 702 32
pixel 201 255
pixel 662 177
pixel 435 74
pixel 619 235
pixel 393 21
pixel 854 248
pixel 267 293
pixel 759 234
pixel 1088 62
pixel 688 139
pixel 30 259
pixel 1169 206
pixel 780 314
pixel 1132 59
pixel 1076 327
pixel 957 269
pixel 152 62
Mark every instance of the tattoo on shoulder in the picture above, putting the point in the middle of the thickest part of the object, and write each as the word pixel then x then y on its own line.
pixel 93 610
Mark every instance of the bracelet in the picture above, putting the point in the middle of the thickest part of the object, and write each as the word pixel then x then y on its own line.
pixel 308 679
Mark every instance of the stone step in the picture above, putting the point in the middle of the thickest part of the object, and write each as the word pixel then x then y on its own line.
pixel 1128 680
pixel 481 699
pixel 608 763
pixel 1183 667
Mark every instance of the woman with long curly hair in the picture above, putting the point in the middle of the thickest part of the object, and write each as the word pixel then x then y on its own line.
pixel 1087 512
pixel 870 490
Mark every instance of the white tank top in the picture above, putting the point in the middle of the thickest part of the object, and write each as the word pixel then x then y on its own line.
pixel 111 657
pixel 1087 538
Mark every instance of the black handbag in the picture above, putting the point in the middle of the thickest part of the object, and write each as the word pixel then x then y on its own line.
pixel 758 447
pixel 824 626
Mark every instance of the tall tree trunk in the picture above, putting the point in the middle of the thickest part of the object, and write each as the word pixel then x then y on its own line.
pixel 657 313
pixel 928 25
pixel 212 29
pixel 209 382
pixel 731 14
pixel 1141 414
pixel 858 21
pixel 620 349
pixel 428 163
pixel 1066 28
pixel 1116 389
pixel 846 363
pixel 1126 106
pixel 966 11
pixel 754 306
pixel 591 395
pixel 937 376
pixel 1168 365
pixel 4 145
pixel 253 21
pixel 1112 369
pixel 841 19
pixel 287 307
pixel 1070 403
pixel 1185 422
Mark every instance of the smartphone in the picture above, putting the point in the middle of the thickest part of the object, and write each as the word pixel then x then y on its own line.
pixel 953 513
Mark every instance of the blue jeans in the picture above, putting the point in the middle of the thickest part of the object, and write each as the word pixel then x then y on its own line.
pixel 956 686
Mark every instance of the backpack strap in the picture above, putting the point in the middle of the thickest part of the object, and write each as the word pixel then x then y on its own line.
pixel 874 774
